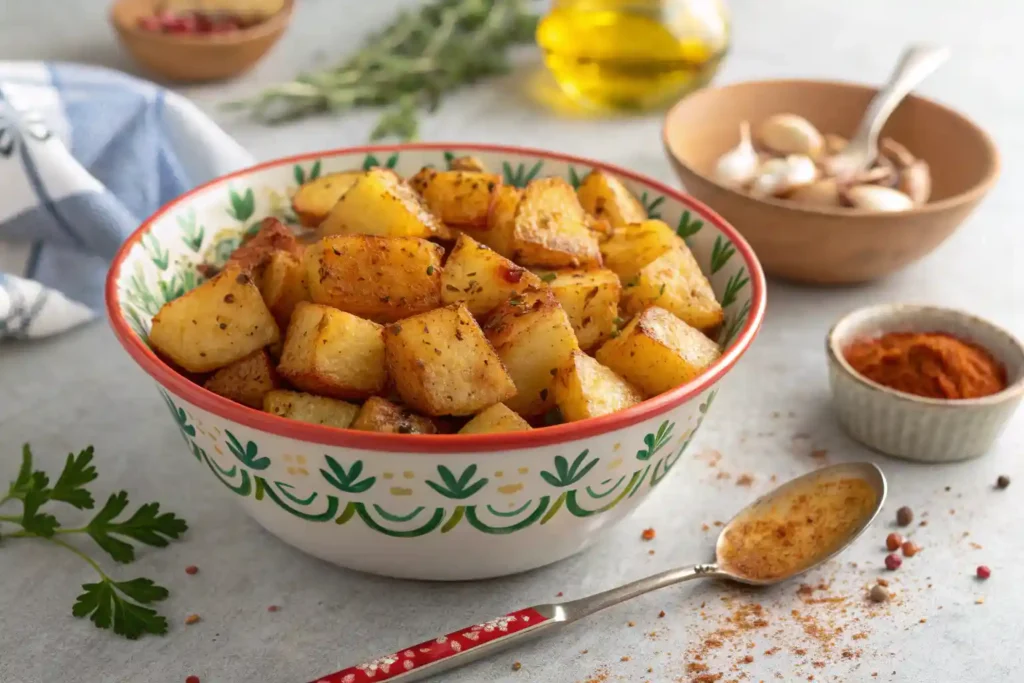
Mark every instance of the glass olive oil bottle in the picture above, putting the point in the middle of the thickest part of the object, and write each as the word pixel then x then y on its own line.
pixel 633 54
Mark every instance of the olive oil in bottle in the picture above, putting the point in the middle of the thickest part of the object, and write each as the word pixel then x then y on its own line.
pixel 633 54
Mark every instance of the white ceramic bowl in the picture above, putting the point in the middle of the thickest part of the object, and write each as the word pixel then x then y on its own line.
pixel 913 427
pixel 422 506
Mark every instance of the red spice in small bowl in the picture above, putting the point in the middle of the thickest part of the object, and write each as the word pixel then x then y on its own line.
pixel 197 22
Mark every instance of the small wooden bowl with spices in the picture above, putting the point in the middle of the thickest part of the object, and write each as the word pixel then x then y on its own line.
pixel 924 383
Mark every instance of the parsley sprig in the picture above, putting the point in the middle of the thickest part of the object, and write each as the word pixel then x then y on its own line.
pixel 109 604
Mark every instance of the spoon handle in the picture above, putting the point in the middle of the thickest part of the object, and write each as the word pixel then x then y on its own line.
pixel 476 642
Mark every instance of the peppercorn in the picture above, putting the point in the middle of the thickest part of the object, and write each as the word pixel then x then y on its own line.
pixel 983 572
pixel 878 594
pixel 904 516
pixel 273 608
pixel 192 679
pixel 516 666
pixel 910 549
pixel 191 570
pixel 192 619
pixel 648 535
pixel 893 541
pixel 893 562
pixel 1002 482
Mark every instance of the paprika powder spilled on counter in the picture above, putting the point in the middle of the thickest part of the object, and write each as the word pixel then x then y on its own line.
pixel 931 365
pixel 790 533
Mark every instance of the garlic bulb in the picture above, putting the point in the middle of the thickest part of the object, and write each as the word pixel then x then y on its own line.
pixel 791 134
pixel 780 177
pixel 878 198
pixel 737 167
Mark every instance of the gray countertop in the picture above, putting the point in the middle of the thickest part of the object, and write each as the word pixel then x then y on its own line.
pixel 64 393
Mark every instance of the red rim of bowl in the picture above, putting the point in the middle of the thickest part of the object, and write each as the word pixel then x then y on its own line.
pixel 177 384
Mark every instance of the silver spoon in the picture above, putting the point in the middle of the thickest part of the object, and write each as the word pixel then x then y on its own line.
pixel 476 642
pixel 916 63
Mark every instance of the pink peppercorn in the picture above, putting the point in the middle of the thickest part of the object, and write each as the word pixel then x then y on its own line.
pixel 191 570
pixel 192 679
pixel 984 572
pixel 893 561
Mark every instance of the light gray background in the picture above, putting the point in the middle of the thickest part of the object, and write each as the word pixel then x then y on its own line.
pixel 78 389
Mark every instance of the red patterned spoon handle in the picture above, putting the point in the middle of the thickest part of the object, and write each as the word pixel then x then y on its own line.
pixel 455 649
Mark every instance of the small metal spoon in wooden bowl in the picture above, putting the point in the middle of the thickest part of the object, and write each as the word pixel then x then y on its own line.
pixel 795 528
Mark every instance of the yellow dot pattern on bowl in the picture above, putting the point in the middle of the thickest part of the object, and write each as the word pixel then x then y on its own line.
pixel 524 470
pixel 399 491
pixel 617 446
pixel 388 475
pixel 408 475
pixel 296 465
pixel 499 474
pixel 615 464
pixel 509 489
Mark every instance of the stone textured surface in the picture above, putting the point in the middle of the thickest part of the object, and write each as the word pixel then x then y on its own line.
pixel 81 388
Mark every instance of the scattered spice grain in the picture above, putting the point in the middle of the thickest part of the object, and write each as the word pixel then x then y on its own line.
pixel 191 570
pixel 661 614
pixel 191 619
pixel 631 624
pixel 192 679
pixel 647 535
pixel 893 541
pixel 624 658
pixel 745 480
pixel 904 516
pixel 273 608
pixel 516 666
pixel 1002 482
pixel 983 572
pixel 882 582
pixel 893 562
pixel 910 548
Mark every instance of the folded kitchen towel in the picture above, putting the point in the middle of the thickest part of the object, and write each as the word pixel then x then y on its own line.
pixel 86 154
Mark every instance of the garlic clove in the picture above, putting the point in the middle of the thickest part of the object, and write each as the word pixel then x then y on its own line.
pixel 835 143
pixel 824 192
pixel 896 153
pixel 737 167
pixel 877 198
pixel 916 182
pixel 780 177
pixel 791 134
pixel 883 174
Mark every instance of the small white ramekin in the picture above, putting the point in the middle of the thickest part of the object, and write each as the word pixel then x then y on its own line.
pixel 913 427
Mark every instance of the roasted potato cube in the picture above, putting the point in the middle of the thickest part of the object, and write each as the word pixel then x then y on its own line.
pixel 247 380
pixel 441 364
pixel 380 203
pixel 591 300
pixel 255 252
pixel 467 163
pixel 550 228
pixel 330 352
pixel 501 220
pixel 315 199
pixel 585 388
pixel 458 198
pixel 381 415
pixel 657 351
pixel 673 281
pixel 309 408
pixel 497 418
pixel 220 321
pixel 481 277
pixel 604 196
pixel 632 247
pixel 283 285
pixel 533 337
pixel 379 278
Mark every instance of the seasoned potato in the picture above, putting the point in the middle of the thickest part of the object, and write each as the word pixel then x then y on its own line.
pixel 283 285
pixel 630 248
pixel 380 203
pixel 315 199
pixel 381 415
pixel 673 281
pixel 379 278
pixel 330 352
pixel 309 408
pixel 591 300
pixel 657 351
pixel 220 321
pixel 273 236
pixel 481 277
pixel 585 388
pixel 247 380
pixel 550 228
pixel 441 364
pixel 458 198
pixel 534 337
pixel 501 220
pixel 497 418
pixel 604 196
pixel 467 163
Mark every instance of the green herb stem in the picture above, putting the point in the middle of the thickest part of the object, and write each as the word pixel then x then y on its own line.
pixel 91 562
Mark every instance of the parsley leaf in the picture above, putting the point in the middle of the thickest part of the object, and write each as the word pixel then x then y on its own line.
pixel 549 277
pixel 34 521
pixel 145 526
pixel 70 487
pixel 104 606
pixel 27 480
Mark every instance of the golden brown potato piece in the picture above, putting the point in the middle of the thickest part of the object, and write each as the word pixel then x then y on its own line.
pixel 458 198
pixel 283 285
pixel 534 337
pixel 501 220
pixel 551 228
pixel 604 196
pixel 309 408
pixel 381 415
pixel 247 380
pixel 673 281
pixel 630 248
pixel 330 352
pixel 217 323
pixel 657 351
pixel 481 277
pixel 315 199
pixel 441 364
pixel 273 236
pixel 585 388
pixel 591 300
pixel 380 203
pixel 497 418
pixel 467 163
pixel 379 278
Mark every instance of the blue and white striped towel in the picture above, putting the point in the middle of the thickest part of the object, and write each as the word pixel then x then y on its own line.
pixel 86 154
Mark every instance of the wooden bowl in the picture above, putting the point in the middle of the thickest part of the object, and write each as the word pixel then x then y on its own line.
pixel 831 245
pixel 195 58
